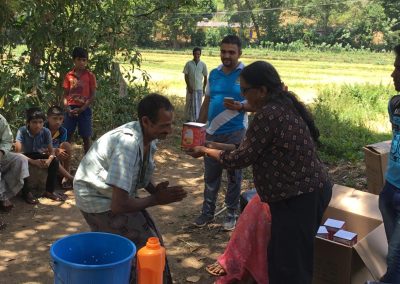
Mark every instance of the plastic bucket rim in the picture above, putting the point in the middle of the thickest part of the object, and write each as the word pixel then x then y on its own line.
pixel 91 266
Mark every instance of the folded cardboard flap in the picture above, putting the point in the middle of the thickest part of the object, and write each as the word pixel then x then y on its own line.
pixel 337 263
pixel 376 158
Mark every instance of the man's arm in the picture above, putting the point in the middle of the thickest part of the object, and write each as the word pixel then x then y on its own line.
pixel 189 88
pixel 122 203
pixel 204 110
pixel 37 163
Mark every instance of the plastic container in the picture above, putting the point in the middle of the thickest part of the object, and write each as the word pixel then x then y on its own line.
pixel 95 257
pixel 151 262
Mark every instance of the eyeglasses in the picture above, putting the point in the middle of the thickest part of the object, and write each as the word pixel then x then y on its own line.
pixel 244 90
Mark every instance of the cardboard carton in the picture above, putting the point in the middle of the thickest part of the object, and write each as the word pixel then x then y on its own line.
pixel 335 263
pixel 376 158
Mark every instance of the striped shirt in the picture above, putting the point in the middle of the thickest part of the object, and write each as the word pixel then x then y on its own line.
pixel 114 160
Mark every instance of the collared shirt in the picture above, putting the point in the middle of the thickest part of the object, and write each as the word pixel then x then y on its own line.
pixel 393 168
pixel 196 73
pixel 38 143
pixel 79 88
pixel 60 136
pixel 220 85
pixel 279 146
pixel 114 160
pixel 6 137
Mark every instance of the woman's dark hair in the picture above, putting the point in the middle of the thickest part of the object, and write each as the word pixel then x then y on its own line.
pixel 261 73
pixel 34 113
pixel 151 104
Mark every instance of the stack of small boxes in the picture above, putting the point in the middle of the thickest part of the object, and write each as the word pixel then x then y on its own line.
pixel 334 230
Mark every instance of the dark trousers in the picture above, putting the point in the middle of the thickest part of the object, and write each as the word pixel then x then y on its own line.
pixel 295 223
pixel 51 172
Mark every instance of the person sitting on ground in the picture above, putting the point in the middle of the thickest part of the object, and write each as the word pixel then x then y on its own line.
pixel 13 169
pixel 34 141
pixel 62 149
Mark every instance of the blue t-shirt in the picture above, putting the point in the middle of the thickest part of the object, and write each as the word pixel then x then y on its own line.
pixel 220 85
pixel 37 143
pixel 59 137
pixel 393 168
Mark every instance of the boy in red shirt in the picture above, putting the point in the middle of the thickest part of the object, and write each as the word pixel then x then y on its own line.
pixel 79 93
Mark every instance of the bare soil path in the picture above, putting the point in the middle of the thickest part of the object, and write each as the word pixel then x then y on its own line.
pixel 25 243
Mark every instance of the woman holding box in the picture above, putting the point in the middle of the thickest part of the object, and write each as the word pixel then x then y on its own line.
pixel 280 144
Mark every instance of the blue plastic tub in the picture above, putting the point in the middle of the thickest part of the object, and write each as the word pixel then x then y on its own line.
pixel 95 257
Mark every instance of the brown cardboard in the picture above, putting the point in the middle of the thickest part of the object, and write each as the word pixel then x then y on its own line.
pixel 376 157
pixel 336 263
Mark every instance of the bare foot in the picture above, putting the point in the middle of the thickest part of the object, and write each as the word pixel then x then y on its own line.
pixel 30 199
pixel 215 269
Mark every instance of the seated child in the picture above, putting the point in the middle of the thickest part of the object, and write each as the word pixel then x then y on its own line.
pixel 13 168
pixel 33 140
pixel 62 149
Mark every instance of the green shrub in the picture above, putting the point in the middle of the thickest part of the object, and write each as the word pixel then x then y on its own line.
pixel 350 117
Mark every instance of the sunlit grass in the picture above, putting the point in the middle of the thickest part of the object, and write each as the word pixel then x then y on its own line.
pixel 303 77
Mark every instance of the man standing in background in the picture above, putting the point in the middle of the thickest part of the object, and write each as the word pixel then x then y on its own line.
pixel 196 80
pixel 225 125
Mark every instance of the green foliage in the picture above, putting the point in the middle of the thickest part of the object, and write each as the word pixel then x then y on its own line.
pixel 110 110
pixel 350 117
pixel 214 36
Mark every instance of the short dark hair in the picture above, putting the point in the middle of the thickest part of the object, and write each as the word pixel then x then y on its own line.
pixel 396 50
pixel 34 113
pixel 55 110
pixel 232 39
pixel 196 49
pixel 79 52
pixel 151 104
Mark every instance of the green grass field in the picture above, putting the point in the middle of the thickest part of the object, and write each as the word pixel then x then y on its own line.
pixel 304 77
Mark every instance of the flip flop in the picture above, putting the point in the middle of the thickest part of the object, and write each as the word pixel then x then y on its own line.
pixel 215 269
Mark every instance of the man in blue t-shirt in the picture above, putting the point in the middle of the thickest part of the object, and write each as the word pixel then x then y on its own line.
pixel 224 126
pixel 389 198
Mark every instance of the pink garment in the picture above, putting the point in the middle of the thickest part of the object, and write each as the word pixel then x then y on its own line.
pixel 247 248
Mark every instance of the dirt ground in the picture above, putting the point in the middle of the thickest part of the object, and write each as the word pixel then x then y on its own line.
pixel 25 243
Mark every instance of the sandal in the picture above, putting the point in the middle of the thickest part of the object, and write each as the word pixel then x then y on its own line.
pixel 215 269
pixel 30 199
pixel 55 196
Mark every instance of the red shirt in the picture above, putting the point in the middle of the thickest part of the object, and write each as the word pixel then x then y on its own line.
pixel 79 88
